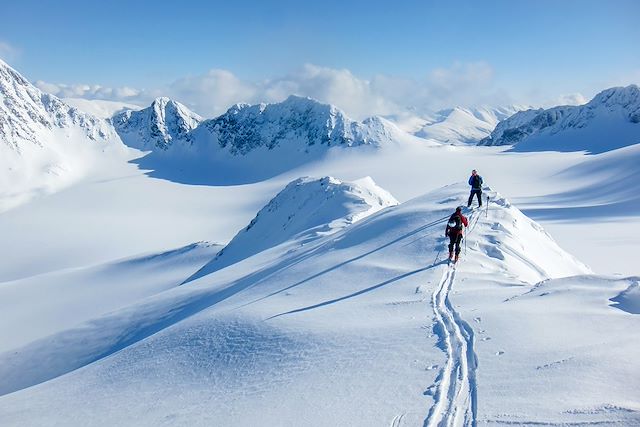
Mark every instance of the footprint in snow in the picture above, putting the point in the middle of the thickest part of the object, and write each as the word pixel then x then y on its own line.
pixel 430 391
pixel 499 353
pixel 485 339
pixel 477 319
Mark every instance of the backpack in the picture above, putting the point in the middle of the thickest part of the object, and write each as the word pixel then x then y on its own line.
pixel 455 223
pixel 476 182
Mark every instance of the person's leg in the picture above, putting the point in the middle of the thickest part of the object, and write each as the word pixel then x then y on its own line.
pixel 479 193
pixel 458 241
pixel 470 199
pixel 452 242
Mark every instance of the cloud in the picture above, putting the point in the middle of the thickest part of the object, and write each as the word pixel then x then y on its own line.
pixel 567 99
pixel 8 52
pixel 212 93
pixel 89 91
pixel 340 87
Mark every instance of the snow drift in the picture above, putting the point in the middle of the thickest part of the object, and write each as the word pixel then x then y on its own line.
pixel 304 210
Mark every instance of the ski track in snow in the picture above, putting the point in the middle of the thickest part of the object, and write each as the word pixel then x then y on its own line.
pixel 456 401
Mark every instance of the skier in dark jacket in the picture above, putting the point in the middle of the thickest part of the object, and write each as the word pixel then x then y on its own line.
pixel 455 226
pixel 475 181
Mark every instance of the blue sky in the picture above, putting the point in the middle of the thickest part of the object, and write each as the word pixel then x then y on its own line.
pixel 523 51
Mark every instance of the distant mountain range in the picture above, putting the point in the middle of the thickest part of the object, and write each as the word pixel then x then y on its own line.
pixel 610 120
pixel 298 124
pixel 457 125
pixel 56 140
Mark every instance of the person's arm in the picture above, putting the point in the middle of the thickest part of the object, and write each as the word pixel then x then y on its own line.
pixel 464 220
pixel 481 180
pixel 470 178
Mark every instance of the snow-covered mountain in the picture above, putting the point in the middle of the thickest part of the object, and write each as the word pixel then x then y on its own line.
pixel 158 126
pixel 610 120
pixel 30 116
pixel 464 125
pixel 250 143
pixel 297 121
pixel 45 143
pixel 305 209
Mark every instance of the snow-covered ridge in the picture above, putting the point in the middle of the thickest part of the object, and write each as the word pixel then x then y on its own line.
pixel 614 111
pixel 157 126
pixel 28 115
pixel 244 127
pixel 305 209
pixel 301 124
pixel 45 144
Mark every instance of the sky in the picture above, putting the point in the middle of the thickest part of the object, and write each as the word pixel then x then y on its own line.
pixel 367 57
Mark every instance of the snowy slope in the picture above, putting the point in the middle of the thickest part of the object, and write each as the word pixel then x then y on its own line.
pixel 65 298
pixel 365 326
pixel 610 120
pixel 604 183
pixel 158 126
pixel 45 144
pixel 464 125
pixel 304 210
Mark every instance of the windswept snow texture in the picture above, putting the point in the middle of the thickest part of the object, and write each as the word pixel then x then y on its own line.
pixel 353 328
pixel 610 120
pixel 65 298
pixel 605 187
pixel 304 210
pixel 629 299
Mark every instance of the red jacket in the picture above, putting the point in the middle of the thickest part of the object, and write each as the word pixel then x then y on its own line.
pixel 464 221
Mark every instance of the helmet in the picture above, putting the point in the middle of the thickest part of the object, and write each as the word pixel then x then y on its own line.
pixel 459 209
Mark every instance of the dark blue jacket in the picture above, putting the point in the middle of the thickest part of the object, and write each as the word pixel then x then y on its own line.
pixel 475 182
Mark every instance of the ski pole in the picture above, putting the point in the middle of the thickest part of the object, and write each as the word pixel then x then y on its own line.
pixel 488 198
pixel 465 246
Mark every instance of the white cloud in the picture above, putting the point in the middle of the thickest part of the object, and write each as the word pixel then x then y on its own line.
pixel 8 52
pixel 567 99
pixel 89 91
pixel 210 94
pixel 213 92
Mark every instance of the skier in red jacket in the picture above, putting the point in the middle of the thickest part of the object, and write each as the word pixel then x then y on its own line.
pixel 455 226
